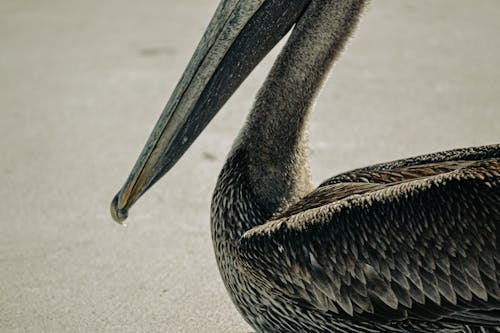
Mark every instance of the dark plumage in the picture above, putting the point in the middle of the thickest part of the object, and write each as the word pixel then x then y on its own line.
pixel 405 246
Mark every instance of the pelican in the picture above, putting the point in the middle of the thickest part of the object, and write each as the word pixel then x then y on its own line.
pixel 410 245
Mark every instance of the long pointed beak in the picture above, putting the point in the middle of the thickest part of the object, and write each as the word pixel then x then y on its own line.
pixel 239 35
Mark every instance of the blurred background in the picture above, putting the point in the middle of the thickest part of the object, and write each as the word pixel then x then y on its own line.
pixel 82 84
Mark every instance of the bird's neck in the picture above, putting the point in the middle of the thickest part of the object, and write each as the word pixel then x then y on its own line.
pixel 275 135
pixel 268 167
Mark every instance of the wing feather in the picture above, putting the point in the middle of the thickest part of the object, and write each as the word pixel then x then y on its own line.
pixel 419 241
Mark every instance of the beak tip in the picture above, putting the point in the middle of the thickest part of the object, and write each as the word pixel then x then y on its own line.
pixel 119 215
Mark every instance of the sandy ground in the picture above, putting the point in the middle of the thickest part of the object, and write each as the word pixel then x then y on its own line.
pixel 81 85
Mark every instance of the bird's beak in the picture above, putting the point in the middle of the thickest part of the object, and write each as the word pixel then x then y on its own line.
pixel 239 35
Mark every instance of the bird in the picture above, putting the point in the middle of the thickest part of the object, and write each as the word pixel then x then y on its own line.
pixel 410 245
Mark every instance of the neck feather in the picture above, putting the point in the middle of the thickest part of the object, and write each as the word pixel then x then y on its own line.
pixel 275 134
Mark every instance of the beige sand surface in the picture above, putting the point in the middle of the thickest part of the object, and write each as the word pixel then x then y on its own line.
pixel 81 85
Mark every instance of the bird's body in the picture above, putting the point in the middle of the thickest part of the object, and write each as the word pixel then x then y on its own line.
pixel 261 299
pixel 405 246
